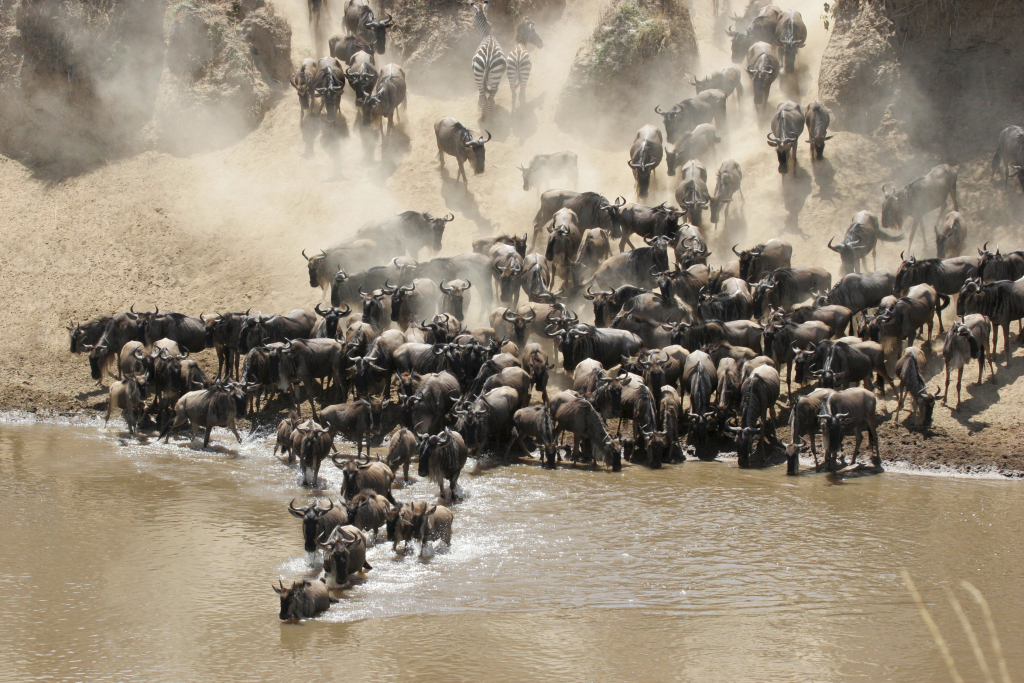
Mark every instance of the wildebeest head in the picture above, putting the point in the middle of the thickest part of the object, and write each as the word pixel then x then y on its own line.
pixel 398 297
pixel 744 440
pixel 293 600
pixel 657 446
pixel 673 120
pixel 437 226
pixel 427 446
pixel 509 275
pixel 831 425
pixel 642 170
pixel 337 285
pixel 847 252
pixel 313 263
pixel 332 317
pixel 892 213
pixel 925 400
pixel 337 548
pixel 310 516
pixel 906 273
pixel 380 32
pixel 519 324
pixel 699 425
pixel 603 305
pixel 609 389
pixel 761 292
pixel 762 72
pixel 805 359
pixel 377 407
pixel 971 289
pixel 741 42
pixel 476 151
pixel 455 298
pixel 362 371
pixel 330 84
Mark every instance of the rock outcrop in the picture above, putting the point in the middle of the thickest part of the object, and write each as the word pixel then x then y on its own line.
pixel 636 42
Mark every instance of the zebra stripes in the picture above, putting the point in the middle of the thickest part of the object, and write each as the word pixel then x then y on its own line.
pixel 519 67
pixel 483 26
pixel 489 66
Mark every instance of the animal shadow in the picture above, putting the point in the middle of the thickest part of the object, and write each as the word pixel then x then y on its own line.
pixel 524 119
pixel 825 178
pixel 457 197
pixel 796 188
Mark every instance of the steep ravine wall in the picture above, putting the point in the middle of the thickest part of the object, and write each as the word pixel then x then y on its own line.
pixel 945 72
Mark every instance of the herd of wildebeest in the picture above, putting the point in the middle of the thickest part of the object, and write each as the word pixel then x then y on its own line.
pixel 686 355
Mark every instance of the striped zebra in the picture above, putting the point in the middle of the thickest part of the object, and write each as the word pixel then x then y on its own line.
pixel 488 69
pixel 483 26
pixel 519 64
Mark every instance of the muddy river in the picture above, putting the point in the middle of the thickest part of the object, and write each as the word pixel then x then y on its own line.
pixel 124 562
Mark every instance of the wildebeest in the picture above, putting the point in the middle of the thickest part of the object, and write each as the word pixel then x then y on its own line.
pixel 692 192
pixel 323 267
pixel 433 523
pixel 803 423
pixel 344 554
pixel 222 334
pixel 216 406
pixel 188 331
pixel 361 75
pixel 368 511
pixel 947 276
pixel 760 392
pixel 950 240
pixel 119 330
pixel 345 47
pixel 687 114
pixel 787 127
pixel 700 379
pixel 728 80
pixel 85 335
pixel 563 242
pixel 732 302
pixel 784 287
pixel 329 84
pixel 1010 153
pixel 536 428
pixel 762 27
pixel 357 419
pixel 361 475
pixel 455 297
pixel 907 316
pixel 590 209
pixel 860 291
pixel 791 35
pixel 697 144
pixel 780 338
pixel 329 326
pixel 763 69
pixel 921 196
pixel 442 456
pixel 637 219
pixel 404 444
pixel 1002 302
pixel 909 368
pixel 607 346
pixel 387 95
pixel 431 402
pixel 544 168
pixel 634 267
pixel 128 394
pixel 644 156
pixel 573 413
pixel 303 599
pixel 259 329
pixel 860 240
pixel 817 119
pixel 838 318
pixel 415 301
pixel 302 81
pixel 728 182
pixel 763 258
pixel 318 521
pixel 486 423
pixel 965 340
pixel 460 142
pixel 360 22
pixel 993 266
pixel 850 410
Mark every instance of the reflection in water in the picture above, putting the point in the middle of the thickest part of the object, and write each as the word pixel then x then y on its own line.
pixel 125 562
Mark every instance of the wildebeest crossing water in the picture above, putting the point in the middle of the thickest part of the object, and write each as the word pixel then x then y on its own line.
pixel 161 568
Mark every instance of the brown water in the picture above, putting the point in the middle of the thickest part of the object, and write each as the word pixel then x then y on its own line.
pixel 154 563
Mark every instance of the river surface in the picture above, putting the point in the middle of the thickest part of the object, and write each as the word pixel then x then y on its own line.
pixel 129 562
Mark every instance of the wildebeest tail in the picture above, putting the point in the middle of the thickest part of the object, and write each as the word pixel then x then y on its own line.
pixel 996 161
pixel 886 237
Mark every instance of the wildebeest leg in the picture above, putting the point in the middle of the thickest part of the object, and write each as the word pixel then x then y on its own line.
pixel 959 378
pixel 235 431
pixel 902 395
pixel 206 437
pixel 462 171
pixel 876 460
pixel 1006 342
pixel 856 445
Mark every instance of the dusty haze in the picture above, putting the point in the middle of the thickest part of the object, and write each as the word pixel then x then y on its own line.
pixel 224 229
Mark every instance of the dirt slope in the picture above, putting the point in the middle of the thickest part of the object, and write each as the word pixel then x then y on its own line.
pixel 224 229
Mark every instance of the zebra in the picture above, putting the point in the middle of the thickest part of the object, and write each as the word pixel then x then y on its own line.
pixel 488 69
pixel 483 26
pixel 519 64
